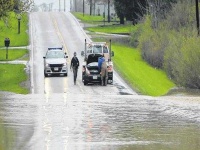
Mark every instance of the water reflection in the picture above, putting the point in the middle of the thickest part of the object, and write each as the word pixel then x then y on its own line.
pixel 7 137
pixel 165 138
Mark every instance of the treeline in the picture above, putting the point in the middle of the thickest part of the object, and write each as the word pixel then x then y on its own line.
pixel 172 43
pixel 18 6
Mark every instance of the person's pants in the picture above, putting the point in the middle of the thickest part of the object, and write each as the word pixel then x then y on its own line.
pixel 104 80
pixel 75 70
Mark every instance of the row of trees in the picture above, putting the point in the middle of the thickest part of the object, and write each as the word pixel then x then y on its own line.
pixel 19 6
pixel 133 10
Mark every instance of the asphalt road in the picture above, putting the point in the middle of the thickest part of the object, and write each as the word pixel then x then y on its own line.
pixel 58 115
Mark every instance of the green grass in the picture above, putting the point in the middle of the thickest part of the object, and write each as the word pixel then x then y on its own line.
pixel 10 30
pixel 12 54
pixel 115 29
pixel 141 76
pixel 12 76
pixel 87 18
pixel 108 28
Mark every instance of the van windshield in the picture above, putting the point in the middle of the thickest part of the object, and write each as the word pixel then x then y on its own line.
pixel 55 54
pixel 97 49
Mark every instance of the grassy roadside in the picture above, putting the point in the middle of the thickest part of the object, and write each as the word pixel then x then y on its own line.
pixel 87 18
pixel 139 75
pixel 97 21
pixel 13 54
pixel 13 76
pixel 10 30
pixel 113 29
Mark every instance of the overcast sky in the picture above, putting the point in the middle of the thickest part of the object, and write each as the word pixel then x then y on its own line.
pixel 55 3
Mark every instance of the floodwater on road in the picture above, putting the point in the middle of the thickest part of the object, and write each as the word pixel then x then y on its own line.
pixel 72 121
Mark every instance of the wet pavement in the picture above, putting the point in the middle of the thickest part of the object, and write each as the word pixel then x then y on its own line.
pixel 95 122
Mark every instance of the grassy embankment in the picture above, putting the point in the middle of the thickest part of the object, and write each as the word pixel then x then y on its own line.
pixel 128 62
pixel 13 75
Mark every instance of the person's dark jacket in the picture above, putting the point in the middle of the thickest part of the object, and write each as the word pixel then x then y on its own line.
pixel 74 62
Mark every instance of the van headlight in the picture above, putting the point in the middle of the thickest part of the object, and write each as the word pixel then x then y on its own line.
pixel 64 65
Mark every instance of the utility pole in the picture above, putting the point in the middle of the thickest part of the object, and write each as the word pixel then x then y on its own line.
pixel 108 10
pixel 83 7
pixel 75 6
pixel 64 6
pixel 90 7
pixel 59 5
pixel 197 15
pixel 50 6
pixel 70 5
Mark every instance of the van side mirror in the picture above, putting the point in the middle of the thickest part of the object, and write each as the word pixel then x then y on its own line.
pixel 65 55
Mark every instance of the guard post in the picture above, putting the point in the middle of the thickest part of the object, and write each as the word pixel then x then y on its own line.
pixel 7 44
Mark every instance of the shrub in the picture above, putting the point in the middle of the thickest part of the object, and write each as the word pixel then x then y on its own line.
pixel 153 43
pixel 182 63
pixel 181 15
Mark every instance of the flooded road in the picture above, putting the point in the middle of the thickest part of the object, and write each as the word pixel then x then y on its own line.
pixel 95 122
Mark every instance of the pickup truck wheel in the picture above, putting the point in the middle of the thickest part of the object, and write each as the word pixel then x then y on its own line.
pixel 110 81
pixel 85 83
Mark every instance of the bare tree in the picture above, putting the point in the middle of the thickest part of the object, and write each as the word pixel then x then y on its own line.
pixel 22 6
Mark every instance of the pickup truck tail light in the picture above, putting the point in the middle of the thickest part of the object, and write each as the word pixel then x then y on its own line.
pixel 83 69
pixel 110 68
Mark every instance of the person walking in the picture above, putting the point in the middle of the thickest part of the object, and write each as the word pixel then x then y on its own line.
pixel 104 73
pixel 74 65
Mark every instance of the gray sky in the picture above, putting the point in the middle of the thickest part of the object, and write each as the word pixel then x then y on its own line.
pixel 55 3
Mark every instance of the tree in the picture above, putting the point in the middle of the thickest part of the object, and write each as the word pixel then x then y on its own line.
pixel 120 10
pixel 158 9
pixel 129 9
pixel 5 7
pixel 21 6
